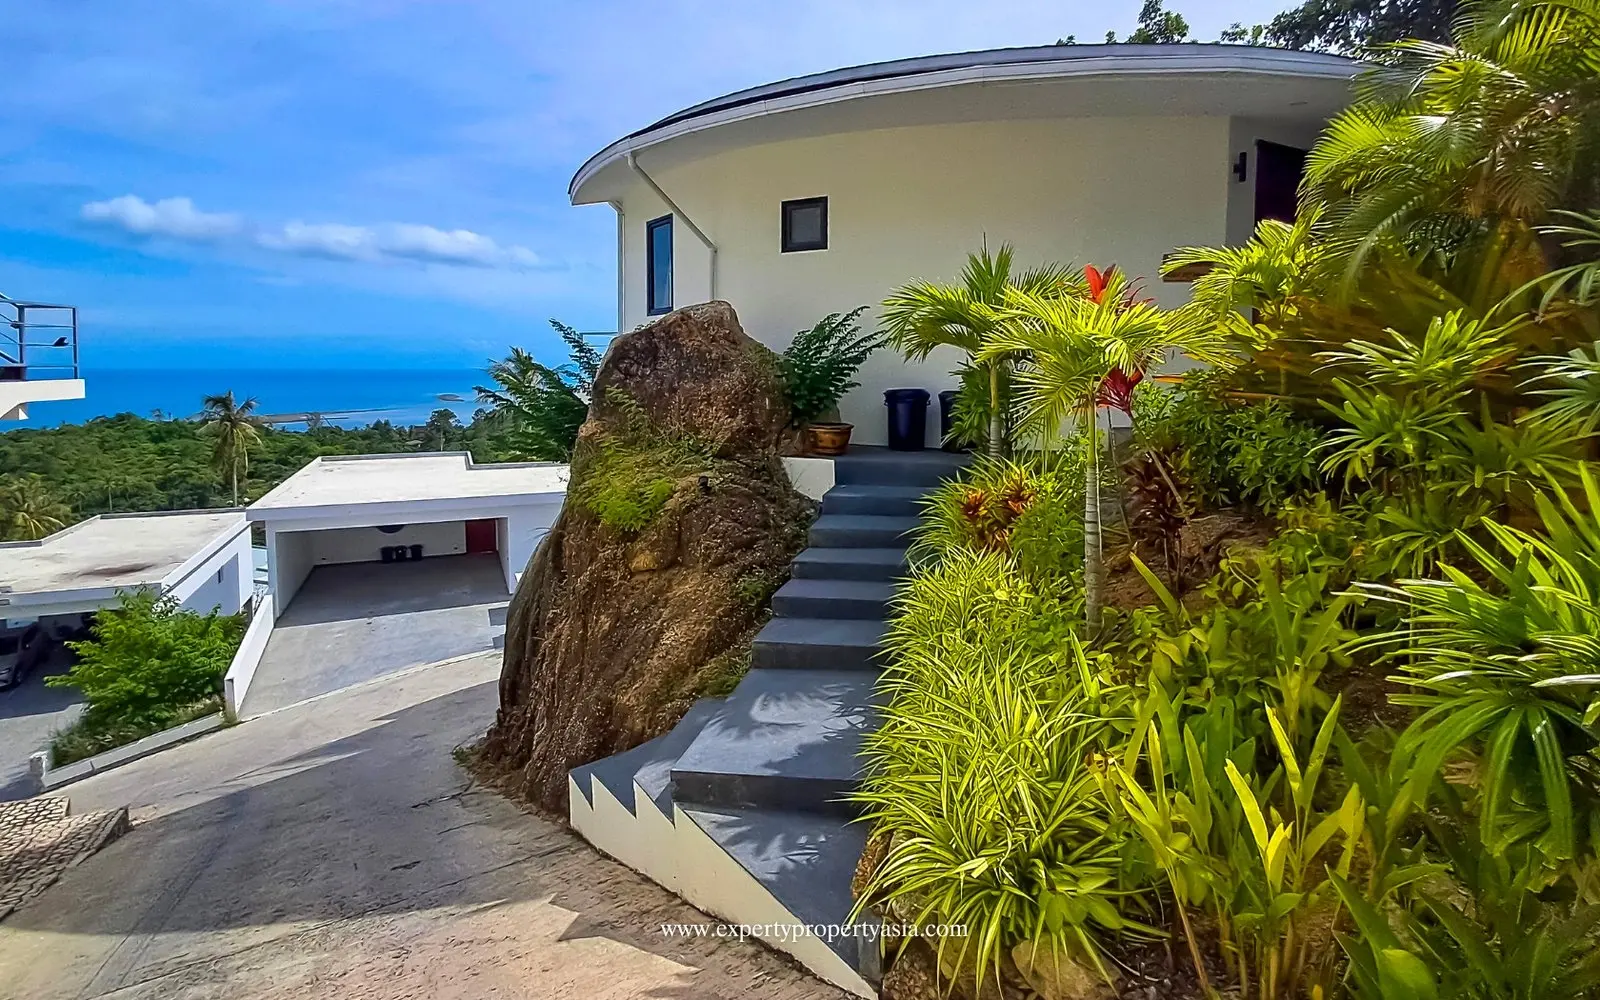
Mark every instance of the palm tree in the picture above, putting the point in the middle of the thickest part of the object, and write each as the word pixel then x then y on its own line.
pixel 1084 352
pixel 543 407
pixel 922 315
pixel 237 430
pixel 28 510
pixel 1448 144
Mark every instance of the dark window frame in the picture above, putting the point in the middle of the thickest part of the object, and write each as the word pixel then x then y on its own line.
pixel 786 240
pixel 652 307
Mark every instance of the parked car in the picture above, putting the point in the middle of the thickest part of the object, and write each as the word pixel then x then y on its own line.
pixel 21 650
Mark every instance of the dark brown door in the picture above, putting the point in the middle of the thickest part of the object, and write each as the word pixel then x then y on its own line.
pixel 1278 173
pixel 480 536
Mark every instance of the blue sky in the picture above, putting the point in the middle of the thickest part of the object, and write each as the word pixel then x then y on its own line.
pixel 382 183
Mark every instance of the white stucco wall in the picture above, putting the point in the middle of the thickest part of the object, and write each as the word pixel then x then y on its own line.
pixel 1243 134
pixel 223 581
pixel 290 558
pixel 912 202
pixel 365 544
pixel 519 535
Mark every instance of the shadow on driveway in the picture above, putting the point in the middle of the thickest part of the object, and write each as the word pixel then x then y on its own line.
pixel 29 715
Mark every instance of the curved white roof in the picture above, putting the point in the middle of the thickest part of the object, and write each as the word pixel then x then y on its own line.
pixel 1328 77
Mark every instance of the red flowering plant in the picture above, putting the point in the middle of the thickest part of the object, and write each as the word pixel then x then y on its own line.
pixel 1088 350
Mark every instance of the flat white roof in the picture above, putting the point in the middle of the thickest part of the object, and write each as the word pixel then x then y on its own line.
pixel 114 551
pixel 345 480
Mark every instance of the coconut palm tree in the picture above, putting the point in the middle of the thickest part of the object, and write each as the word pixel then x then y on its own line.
pixel 1448 144
pixel 28 510
pixel 923 315
pixel 541 408
pixel 1084 352
pixel 237 429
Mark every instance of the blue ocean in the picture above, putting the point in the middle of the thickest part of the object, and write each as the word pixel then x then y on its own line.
pixel 350 398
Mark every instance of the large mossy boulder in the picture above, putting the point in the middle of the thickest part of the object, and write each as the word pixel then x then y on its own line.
pixel 679 523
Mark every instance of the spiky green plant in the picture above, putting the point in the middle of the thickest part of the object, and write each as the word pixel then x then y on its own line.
pixel 1030 509
pixel 983 774
pixel 1504 665
pixel 922 316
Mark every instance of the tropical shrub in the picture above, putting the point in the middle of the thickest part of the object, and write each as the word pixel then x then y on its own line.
pixel 820 364
pixel 1029 509
pixel 148 659
pixel 1234 452
pixel 1505 665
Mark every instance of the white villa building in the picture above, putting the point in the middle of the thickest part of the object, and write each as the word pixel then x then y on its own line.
pixel 201 558
pixel 340 510
pixel 822 193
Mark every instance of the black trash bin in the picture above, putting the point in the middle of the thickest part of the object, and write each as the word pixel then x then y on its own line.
pixel 908 418
pixel 416 552
pixel 947 417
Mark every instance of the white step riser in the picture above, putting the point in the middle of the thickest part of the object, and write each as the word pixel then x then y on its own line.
pixel 666 851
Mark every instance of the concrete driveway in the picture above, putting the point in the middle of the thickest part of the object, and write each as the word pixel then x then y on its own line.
pixel 334 849
pixel 351 623
pixel 29 715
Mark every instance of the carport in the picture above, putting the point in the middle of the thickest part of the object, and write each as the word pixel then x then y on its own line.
pixel 380 563
pixel 394 509
pixel 199 558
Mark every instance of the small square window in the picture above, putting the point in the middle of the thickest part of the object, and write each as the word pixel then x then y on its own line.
pixel 805 224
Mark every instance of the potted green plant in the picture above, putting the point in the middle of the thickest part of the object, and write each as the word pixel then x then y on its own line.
pixel 818 368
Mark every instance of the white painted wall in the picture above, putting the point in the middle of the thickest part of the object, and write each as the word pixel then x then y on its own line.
pixel 810 477
pixel 221 582
pixel 242 669
pixel 1243 133
pixel 912 202
pixel 353 545
pixel 519 535
pixel 290 558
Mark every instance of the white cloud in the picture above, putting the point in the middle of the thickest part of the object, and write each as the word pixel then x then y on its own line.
pixel 326 239
pixel 396 241
pixel 177 218
pixel 173 217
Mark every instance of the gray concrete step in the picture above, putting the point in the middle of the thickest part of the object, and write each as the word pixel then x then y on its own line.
pixel 805 861
pixel 818 644
pixel 833 599
pixel 785 739
pixel 849 564
pixel 890 501
pixel 650 763
pixel 880 466
pixel 854 531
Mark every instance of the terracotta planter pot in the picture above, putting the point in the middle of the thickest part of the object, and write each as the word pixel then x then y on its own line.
pixel 829 439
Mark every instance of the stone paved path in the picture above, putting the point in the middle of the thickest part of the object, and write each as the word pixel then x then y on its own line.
pixel 39 841
pixel 335 849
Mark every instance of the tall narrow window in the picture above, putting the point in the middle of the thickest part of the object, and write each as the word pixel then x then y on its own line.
pixel 658 265
pixel 805 225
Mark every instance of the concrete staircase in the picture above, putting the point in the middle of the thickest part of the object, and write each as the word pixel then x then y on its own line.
pixel 740 809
